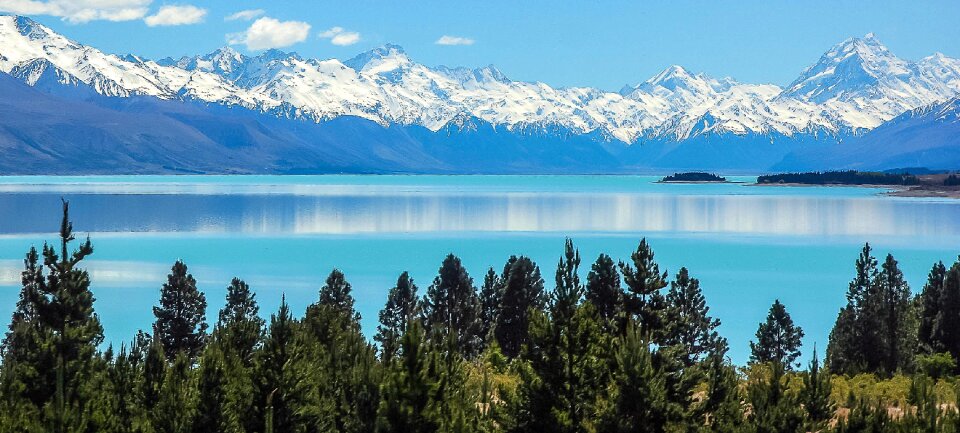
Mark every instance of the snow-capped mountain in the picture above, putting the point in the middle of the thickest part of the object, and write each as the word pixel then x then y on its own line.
pixel 451 119
pixel 862 83
pixel 855 86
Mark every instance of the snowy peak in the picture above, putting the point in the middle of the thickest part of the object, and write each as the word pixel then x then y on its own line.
pixel 28 27
pixel 863 84
pixel 223 61
pixel 490 73
pixel 850 68
pixel 381 59
pixel 671 78
pixel 940 68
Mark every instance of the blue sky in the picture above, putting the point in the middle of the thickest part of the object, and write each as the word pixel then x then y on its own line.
pixel 603 44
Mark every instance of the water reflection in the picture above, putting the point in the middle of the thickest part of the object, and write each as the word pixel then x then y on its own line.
pixel 809 215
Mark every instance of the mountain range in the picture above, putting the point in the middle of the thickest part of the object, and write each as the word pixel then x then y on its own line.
pixel 70 108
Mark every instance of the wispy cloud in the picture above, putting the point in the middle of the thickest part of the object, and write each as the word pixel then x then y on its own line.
pixel 80 11
pixel 340 36
pixel 268 32
pixel 245 15
pixel 176 16
pixel 454 40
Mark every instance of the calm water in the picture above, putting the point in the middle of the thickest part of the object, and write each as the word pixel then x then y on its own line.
pixel 748 245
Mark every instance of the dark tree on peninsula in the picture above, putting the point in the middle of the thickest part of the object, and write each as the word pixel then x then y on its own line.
pixel 643 300
pixel 181 317
pixel 397 314
pixel 522 292
pixel 452 307
pixel 603 289
pixel 778 339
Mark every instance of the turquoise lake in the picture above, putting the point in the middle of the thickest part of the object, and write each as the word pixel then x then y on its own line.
pixel 747 244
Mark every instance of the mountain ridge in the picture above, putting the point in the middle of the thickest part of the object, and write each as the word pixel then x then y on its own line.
pixel 386 86
pixel 857 86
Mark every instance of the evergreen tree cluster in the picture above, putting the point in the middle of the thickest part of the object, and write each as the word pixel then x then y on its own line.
pixel 629 348
pixel 877 330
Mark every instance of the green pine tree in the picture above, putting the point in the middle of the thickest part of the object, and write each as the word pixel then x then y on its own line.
pixel 213 413
pixel 638 395
pixel 947 320
pixel 176 407
pixel 644 300
pixel 688 325
pixel 452 306
pixel 491 294
pixel 567 367
pixel 899 319
pixel 337 294
pixel 876 331
pixel 773 408
pixel 50 352
pixel 721 409
pixel 239 328
pixel 400 310
pixel 603 290
pixel 282 375
pixel 815 397
pixel 181 316
pixel 522 292
pixel 930 306
pixel 852 337
pixel 235 338
pixel 778 339
pixel 345 377
pixel 688 337
pixel 408 387
pixel 424 389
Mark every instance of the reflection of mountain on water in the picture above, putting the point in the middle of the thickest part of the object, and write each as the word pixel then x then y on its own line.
pixel 565 213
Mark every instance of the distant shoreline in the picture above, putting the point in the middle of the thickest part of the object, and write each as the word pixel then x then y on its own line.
pixel 928 191
pixel 919 191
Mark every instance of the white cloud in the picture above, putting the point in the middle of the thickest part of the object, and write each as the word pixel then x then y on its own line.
pixel 340 36
pixel 453 40
pixel 176 16
pixel 268 32
pixel 245 15
pixel 346 38
pixel 80 11
pixel 331 32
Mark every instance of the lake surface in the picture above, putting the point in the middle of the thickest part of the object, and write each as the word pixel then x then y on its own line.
pixel 747 244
